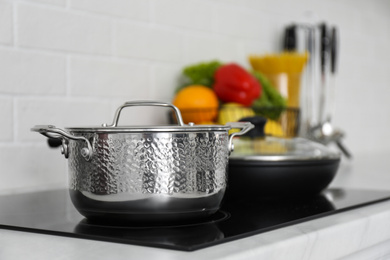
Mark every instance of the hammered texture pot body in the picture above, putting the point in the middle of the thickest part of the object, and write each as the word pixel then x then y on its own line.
pixel 148 176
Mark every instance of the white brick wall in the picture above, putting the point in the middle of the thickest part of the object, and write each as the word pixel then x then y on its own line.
pixel 7 119
pixel 102 78
pixel 189 14
pixel 57 29
pixel 143 41
pixel 31 166
pixel 26 72
pixel 131 9
pixel 72 62
pixel 6 35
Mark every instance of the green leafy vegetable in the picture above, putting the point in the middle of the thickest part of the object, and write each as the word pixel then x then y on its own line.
pixel 271 103
pixel 200 74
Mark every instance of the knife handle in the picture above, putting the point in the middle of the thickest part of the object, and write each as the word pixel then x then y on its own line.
pixel 290 38
pixel 333 50
pixel 324 46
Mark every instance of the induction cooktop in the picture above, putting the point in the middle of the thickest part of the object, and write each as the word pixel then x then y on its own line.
pixel 51 212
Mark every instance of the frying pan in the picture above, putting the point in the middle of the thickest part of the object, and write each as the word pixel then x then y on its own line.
pixel 264 166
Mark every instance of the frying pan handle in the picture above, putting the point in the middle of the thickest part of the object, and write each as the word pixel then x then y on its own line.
pixel 57 133
pixel 244 126
pixel 145 103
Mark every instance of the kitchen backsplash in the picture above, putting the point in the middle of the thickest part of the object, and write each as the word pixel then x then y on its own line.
pixel 72 62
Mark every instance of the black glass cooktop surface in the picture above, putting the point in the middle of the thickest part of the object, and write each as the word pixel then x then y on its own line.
pixel 51 212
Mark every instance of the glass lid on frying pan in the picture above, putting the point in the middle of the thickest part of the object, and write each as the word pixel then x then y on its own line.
pixel 255 146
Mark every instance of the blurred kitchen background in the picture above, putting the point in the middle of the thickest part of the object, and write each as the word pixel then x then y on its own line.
pixel 73 62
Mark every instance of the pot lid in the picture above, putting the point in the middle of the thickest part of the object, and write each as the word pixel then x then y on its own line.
pixel 72 133
pixel 153 128
pixel 280 149
pixel 180 127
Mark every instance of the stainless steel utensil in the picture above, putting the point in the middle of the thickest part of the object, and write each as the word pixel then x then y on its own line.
pixel 318 105
pixel 139 173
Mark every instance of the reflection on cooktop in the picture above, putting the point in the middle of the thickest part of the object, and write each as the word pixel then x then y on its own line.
pixel 51 212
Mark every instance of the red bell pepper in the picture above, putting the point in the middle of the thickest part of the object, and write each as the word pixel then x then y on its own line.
pixel 232 83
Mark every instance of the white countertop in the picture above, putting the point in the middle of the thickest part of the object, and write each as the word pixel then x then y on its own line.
pixel 362 233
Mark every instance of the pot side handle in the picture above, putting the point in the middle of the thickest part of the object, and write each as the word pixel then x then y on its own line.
pixel 145 103
pixel 53 132
pixel 244 126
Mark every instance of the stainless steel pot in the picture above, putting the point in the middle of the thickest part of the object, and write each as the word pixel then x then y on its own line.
pixel 138 173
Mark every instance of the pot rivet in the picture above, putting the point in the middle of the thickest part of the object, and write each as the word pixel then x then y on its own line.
pixel 85 152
